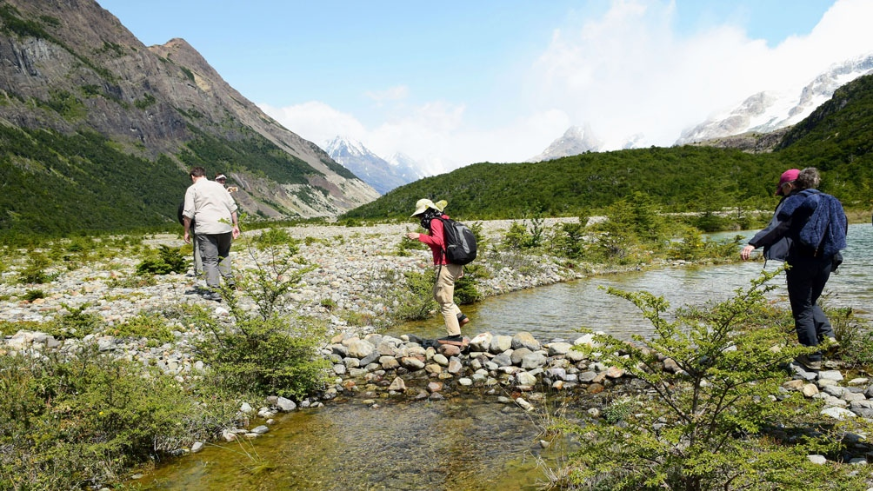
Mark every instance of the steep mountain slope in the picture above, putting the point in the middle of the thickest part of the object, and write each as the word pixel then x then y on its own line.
pixel 768 111
pixel 69 68
pixel 837 138
pixel 372 169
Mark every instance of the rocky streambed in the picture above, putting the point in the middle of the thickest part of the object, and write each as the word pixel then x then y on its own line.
pixel 367 368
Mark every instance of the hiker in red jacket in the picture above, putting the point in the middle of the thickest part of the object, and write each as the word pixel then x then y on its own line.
pixel 444 288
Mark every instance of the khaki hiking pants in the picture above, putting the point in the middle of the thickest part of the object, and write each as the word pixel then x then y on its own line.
pixel 444 293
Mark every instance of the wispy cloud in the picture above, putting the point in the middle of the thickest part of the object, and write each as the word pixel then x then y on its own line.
pixel 396 93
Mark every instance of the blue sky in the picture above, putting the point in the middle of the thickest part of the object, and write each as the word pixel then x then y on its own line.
pixel 454 82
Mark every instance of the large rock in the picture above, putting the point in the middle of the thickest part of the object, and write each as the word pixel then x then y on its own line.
pixel 838 413
pixel 285 405
pixel 455 365
pixel 525 378
pixel 359 348
pixel 525 340
pixel 412 363
pixel 533 360
pixel 519 354
pixel 500 343
pixel 503 359
pixel 557 349
pixel 398 385
pixel 481 342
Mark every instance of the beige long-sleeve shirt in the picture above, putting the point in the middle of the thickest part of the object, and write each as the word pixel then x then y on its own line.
pixel 211 207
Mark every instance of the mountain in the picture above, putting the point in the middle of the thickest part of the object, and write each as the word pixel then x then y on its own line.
pixel 837 138
pixel 372 169
pixel 406 167
pixel 768 111
pixel 97 130
pixel 576 140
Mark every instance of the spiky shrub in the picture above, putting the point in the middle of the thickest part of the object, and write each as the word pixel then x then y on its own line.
pixel 569 240
pixel 694 246
pixel 410 293
pixel 265 352
pixel 708 426
pixel 35 269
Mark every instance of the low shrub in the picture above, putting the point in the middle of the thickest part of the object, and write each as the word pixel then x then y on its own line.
pixel 145 325
pixel 265 357
pixel 79 423
pixel 711 424
pixel 31 295
pixel 167 260
pixel 35 269
pixel 75 323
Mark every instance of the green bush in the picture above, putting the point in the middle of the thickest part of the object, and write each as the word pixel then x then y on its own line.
pixel 168 260
pixel 693 246
pixel 405 247
pixel 465 288
pixel 525 236
pixel 79 423
pixel 265 357
pixel 711 425
pixel 411 294
pixel 35 269
pixel 264 352
pixel 569 240
pixel 31 295
pixel 75 324
pixel 145 325
pixel 274 237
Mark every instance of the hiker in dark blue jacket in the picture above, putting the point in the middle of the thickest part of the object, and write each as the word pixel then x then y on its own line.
pixel 807 231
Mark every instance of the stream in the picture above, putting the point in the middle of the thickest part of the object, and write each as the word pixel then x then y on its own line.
pixel 472 442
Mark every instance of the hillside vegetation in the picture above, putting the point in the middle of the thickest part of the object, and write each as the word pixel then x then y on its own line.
pixel 98 131
pixel 836 138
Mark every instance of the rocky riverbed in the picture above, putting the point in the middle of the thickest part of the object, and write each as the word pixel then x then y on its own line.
pixel 350 273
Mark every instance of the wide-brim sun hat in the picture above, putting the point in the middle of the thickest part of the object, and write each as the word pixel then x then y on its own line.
pixel 422 206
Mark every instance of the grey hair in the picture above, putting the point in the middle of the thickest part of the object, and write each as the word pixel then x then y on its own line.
pixel 808 179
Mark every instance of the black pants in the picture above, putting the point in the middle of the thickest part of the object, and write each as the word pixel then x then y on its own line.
pixel 806 280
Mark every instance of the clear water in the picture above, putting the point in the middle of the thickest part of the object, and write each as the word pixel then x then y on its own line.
pixel 472 442
pixel 559 311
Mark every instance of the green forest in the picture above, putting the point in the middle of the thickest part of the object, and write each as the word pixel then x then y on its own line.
pixel 836 138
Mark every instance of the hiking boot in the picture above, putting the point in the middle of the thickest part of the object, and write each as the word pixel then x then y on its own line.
pixel 453 340
pixel 463 320
pixel 805 362
pixel 214 296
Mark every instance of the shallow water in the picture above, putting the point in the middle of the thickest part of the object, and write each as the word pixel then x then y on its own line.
pixel 473 442
pixel 559 311
pixel 456 444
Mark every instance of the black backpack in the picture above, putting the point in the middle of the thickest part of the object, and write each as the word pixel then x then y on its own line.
pixel 460 242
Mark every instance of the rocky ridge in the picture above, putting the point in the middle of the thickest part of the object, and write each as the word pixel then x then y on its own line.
pixel 151 101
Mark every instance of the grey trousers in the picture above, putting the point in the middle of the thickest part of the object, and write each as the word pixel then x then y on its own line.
pixel 198 263
pixel 215 253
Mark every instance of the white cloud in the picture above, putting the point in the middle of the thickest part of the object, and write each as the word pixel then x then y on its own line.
pixel 397 93
pixel 624 73
pixel 628 72
pixel 316 121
